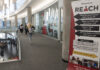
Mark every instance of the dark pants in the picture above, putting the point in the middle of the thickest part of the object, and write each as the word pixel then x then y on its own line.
pixel 2 51
pixel 21 30
pixel 26 31
pixel 30 36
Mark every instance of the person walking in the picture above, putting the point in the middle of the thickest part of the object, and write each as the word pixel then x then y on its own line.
pixel 29 31
pixel 33 28
pixel 26 29
pixel 21 28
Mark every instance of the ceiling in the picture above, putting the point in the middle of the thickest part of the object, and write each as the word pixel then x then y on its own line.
pixel 35 2
pixel 37 5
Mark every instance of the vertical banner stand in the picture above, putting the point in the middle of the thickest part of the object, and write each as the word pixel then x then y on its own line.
pixel 84 51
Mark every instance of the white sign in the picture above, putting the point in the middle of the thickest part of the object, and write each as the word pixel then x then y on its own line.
pixel 87 31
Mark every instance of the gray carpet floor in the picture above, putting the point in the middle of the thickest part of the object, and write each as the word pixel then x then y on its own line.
pixel 42 53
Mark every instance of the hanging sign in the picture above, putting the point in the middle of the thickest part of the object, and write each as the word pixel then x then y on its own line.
pixel 84 52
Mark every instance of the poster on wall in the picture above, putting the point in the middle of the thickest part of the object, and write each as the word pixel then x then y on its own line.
pixel 84 49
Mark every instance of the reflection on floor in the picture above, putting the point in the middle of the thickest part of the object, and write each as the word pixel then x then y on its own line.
pixel 41 53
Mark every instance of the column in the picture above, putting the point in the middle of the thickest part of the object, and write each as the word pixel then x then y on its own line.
pixel 5 22
pixel 15 6
pixel 16 21
pixel 59 25
pixel 12 21
pixel 66 28
pixel 23 22
pixel 4 14
pixel 29 15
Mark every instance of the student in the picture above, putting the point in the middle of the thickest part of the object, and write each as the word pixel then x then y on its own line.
pixel 26 29
pixel 2 48
pixel 33 28
pixel 21 28
pixel 30 30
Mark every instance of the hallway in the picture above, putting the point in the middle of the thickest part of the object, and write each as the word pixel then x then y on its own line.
pixel 42 53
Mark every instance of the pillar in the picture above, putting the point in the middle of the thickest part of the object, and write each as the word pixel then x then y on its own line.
pixel 23 22
pixel 59 24
pixel 29 15
pixel 15 16
pixel 5 22
pixel 66 28
pixel 16 21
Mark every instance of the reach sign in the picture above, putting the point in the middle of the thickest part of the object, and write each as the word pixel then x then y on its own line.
pixel 84 52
